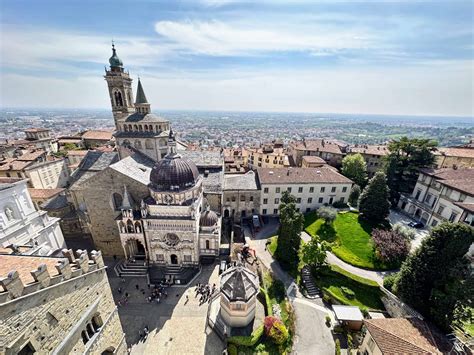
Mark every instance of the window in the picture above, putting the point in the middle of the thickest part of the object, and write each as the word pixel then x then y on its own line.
pixel 242 198
pixel 275 211
pixel 208 244
pixel 160 257
pixel 311 190
pixel 300 189
pixel 298 200
pixel 453 216
pixel 440 209
pixel 428 198
pixel 333 189
pixel 264 211
pixel 277 190
pixel 417 196
pixel 265 201
pixel 308 210
pixel 233 198
pixel 434 222
pixel 323 189
pixel 265 190
pixel 187 258
pixel 288 189
pixel 320 200
pixel 342 199
pixel 310 200
pixel 251 198
pixel 277 201
pixel 344 189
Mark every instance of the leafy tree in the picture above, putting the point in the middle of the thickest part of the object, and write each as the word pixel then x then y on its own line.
pixel 314 252
pixel 354 195
pixel 275 329
pixel 437 279
pixel 289 232
pixel 355 168
pixel 329 214
pixel 407 156
pixel 390 246
pixel 373 201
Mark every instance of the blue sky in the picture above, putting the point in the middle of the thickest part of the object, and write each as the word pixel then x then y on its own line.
pixel 388 57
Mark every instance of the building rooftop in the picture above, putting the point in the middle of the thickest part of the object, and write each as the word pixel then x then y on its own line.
pixel 13 164
pixel 36 130
pixel 97 135
pixel 318 145
pixel 93 162
pixel 32 156
pixel 461 152
pixel 203 158
pixel 77 152
pixel 380 150
pixel 247 181
pixel 402 336
pixel 313 159
pixel 301 176
pixel 44 193
pixel 458 179
pixel 149 118
pixel 239 284
pixel 55 202
pixel 348 313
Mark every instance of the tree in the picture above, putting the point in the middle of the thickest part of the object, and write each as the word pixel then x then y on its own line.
pixel 373 201
pixel 329 214
pixel 354 195
pixel 407 156
pixel 289 232
pixel 436 279
pixel 314 252
pixel 355 168
pixel 390 246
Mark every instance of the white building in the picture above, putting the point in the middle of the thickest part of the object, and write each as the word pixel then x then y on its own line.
pixel 22 225
pixel 441 195
pixel 312 187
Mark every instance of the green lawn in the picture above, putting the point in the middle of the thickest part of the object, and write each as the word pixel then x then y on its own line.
pixel 273 245
pixel 366 292
pixel 349 237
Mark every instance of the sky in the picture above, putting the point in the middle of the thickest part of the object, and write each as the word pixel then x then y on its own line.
pixel 375 56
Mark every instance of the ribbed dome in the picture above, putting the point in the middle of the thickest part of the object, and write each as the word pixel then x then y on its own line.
pixel 114 60
pixel 208 218
pixel 173 173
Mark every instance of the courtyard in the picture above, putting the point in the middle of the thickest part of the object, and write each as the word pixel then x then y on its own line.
pixel 177 324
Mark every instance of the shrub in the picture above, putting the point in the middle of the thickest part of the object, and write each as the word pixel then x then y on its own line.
pixel 408 233
pixel 338 347
pixel 390 246
pixel 338 329
pixel 329 214
pixel 350 341
pixel 248 340
pixel 388 281
pixel 275 330
pixel 328 321
pixel 348 292
pixel 364 312
pixel 232 349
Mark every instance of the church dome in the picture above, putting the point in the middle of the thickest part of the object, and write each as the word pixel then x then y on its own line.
pixel 173 173
pixel 208 218
pixel 114 60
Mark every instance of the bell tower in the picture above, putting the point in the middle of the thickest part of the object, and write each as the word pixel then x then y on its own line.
pixel 120 88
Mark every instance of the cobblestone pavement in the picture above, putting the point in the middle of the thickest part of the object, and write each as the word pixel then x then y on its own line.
pixel 176 326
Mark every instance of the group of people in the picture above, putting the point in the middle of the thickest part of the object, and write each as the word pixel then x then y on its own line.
pixel 142 335
pixel 205 292
pixel 158 293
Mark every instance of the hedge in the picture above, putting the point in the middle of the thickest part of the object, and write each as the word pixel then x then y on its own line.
pixel 268 302
pixel 247 340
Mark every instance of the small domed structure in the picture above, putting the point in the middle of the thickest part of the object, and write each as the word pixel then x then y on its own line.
pixel 114 60
pixel 208 218
pixel 173 173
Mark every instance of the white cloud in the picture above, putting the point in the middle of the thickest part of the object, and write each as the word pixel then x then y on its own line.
pixel 235 38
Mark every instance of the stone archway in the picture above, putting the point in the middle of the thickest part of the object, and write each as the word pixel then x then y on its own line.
pixel 418 213
pixel 135 249
pixel 411 210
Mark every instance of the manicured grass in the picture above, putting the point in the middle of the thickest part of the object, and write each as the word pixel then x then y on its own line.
pixel 273 245
pixel 349 237
pixel 366 293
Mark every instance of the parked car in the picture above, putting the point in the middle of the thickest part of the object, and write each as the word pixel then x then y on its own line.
pixel 256 222
pixel 415 225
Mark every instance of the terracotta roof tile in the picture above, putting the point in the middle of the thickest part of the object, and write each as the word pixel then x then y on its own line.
pixel 370 149
pixel 300 175
pixel 25 264
pixel 402 336
pixel 100 135
pixel 44 193
pixel 318 145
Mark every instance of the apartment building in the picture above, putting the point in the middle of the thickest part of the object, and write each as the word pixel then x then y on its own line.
pixel 458 157
pixel 50 174
pixel 331 151
pixel 373 156
pixel 266 156
pixel 312 187
pixel 241 195
pixel 441 195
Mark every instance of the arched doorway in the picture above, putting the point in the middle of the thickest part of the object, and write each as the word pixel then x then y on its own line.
pixel 418 214
pixel 174 259
pixel 135 249
pixel 226 213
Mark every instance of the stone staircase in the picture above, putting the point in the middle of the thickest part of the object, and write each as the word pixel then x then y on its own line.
pixel 312 291
pixel 128 269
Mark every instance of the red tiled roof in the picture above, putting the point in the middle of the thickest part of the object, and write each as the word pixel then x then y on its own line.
pixel 44 193
pixel 370 149
pixel 25 264
pixel 300 175
pixel 14 165
pixel 97 135
pixel 456 152
pixel 402 336
pixel 31 156
pixel 313 159
pixel 77 152
pixel 459 179
pixel 318 145
pixel 35 130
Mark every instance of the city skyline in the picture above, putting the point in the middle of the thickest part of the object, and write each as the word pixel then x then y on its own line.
pixel 393 57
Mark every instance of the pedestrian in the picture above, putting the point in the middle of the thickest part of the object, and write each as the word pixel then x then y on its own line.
pixel 126 294
pixel 115 257
pixel 137 287
pixel 187 300
pixel 119 290
pixel 140 335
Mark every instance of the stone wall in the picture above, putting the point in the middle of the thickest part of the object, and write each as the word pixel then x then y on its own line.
pixel 97 194
pixel 51 314
pixel 395 307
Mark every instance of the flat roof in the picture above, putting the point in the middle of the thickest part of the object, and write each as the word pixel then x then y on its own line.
pixel 350 313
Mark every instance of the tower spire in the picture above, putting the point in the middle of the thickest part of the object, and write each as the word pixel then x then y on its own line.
pixel 141 103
